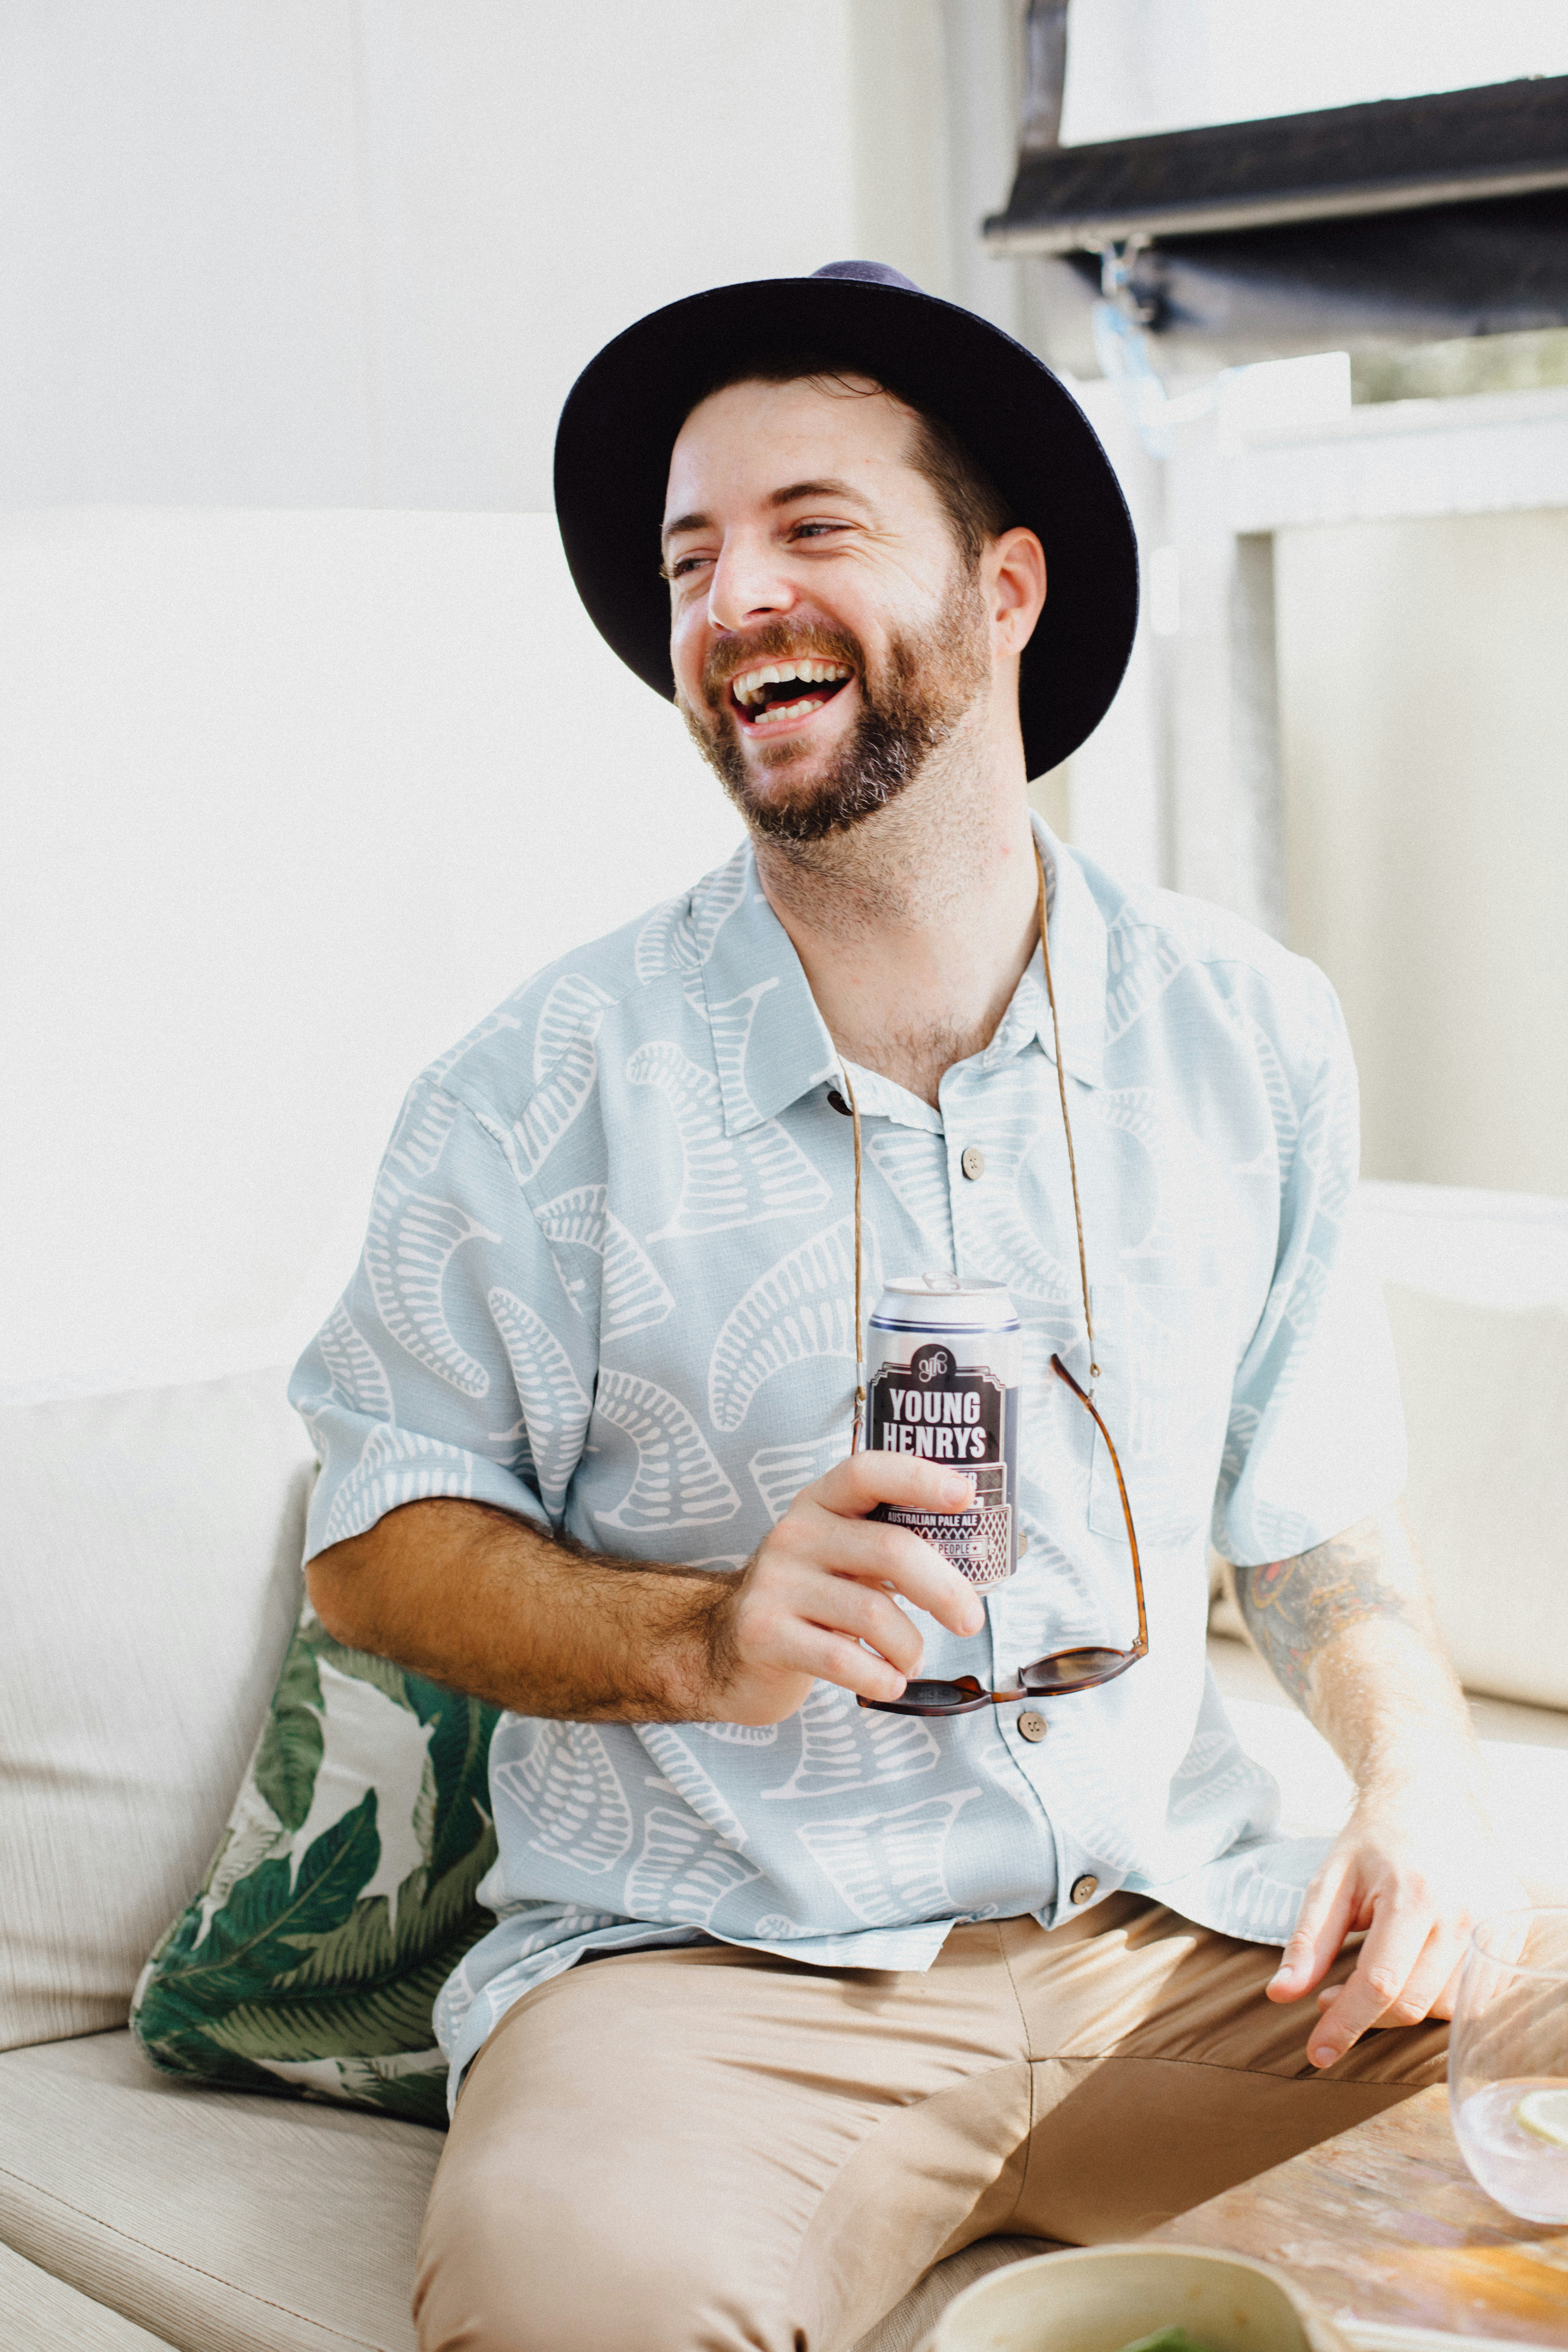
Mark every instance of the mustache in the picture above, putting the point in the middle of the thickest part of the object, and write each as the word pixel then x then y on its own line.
pixel 779 641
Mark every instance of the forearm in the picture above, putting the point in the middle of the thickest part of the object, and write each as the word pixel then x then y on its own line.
pixel 1350 1632
pixel 491 1605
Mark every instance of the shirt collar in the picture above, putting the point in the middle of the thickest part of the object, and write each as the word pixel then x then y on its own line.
pixel 771 1044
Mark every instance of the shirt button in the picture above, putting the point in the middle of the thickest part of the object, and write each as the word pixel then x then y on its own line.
pixel 1031 1725
pixel 974 1164
pixel 1086 1888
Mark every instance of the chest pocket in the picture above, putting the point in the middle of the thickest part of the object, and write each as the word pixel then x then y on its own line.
pixel 1167 1361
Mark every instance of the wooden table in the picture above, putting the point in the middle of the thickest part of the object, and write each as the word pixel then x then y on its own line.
pixel 1384 2227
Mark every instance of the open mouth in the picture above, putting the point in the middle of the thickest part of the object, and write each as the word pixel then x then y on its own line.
pixel 777 692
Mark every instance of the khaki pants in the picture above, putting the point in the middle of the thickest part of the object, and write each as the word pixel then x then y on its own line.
pixel 710 2151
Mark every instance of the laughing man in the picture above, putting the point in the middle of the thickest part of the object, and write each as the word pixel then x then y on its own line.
pixel 790 1997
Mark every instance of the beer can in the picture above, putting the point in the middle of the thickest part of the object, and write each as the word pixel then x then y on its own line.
pixel 944 1359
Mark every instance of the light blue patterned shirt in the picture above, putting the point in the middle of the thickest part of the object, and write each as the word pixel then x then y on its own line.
pixel 608 1287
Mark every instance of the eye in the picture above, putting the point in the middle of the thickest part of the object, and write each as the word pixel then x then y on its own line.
pixel 816 530
pixel 679 566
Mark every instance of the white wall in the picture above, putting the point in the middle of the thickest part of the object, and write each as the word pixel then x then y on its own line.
pixel 354 252
pixel 291 801
pixel 1425 775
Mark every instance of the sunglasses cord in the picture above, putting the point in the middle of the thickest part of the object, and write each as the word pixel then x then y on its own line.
pixel 857 1429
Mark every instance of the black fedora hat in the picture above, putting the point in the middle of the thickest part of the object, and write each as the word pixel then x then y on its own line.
pixel 1016 419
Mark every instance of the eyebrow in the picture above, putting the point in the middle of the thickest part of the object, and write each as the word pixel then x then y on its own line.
pixel 827 488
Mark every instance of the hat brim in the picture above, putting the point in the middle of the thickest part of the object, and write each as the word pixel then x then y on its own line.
pixel 1017 419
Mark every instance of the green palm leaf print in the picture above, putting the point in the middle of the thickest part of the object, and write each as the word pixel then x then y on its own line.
pixel 288 1977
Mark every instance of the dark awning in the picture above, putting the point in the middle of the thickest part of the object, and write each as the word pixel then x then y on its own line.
pixel 1394 155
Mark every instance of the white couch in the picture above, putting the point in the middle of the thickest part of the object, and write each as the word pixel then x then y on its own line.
pixel 149 1581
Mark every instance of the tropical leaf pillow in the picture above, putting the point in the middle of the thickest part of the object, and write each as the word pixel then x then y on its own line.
pixel 342 1896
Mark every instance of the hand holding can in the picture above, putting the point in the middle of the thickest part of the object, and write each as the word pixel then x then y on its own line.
pixel 944 1364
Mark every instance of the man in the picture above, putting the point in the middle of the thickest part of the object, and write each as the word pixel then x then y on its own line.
pixel 789 1997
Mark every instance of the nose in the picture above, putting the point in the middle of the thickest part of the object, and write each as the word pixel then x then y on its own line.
pixel 749 583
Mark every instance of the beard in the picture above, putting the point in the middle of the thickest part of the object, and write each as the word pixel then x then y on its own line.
pixel 932 677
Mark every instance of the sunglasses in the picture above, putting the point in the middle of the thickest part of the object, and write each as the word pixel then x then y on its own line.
pixel 1062 1671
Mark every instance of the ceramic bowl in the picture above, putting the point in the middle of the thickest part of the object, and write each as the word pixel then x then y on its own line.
pixel 1097 2299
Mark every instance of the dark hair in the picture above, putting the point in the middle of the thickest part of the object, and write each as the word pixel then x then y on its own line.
pixel 969 498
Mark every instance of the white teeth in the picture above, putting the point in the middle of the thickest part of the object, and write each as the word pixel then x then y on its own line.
pixel 786 710
pixel 749 686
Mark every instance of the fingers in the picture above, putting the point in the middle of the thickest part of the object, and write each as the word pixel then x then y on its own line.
pixel 1376 1991
pixel 1324 1923
pixel 828 1657
pixel 857 1486
pixel 815 1603
pixel 793 1615
pixel 1443 2006
pixel 826 1526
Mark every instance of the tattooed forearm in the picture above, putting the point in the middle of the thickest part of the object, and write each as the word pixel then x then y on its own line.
pixel 1350 1631
pixel 1293 1608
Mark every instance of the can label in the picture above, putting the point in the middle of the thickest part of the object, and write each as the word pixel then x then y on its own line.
pixel 948 1399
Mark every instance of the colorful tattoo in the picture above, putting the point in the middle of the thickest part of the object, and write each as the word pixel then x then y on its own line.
pixel 1293 1608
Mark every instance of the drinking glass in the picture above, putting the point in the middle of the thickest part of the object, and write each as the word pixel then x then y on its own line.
pixel 1507 2060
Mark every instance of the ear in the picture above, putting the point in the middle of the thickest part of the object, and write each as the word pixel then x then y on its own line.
pixel 1015 575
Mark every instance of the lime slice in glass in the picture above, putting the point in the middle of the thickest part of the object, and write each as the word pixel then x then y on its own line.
pixel 1544 2114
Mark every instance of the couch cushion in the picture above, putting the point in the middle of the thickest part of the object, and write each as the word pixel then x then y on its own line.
pixel 150 1548
pixel 232 2224
pixel 221 2222
pixel 39 2312
pixel 1486 1399
pixel 342 1896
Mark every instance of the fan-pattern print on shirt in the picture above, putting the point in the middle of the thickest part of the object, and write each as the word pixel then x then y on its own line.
pixel 1052 1604
pixel 1141 963
pixel 569 1796
pixel 632 1295
pixel 566 1070
pixel 395 1466
pixel 682 933
pixel 678 1482
pixel 572 1011
pixel 779 1472
pixel 412 1238
pixel 555 1407
pixel 1275 1119
pixel 725 1179
pixel 684 1870
pixel 411 1243
pixel 731 1025
pixel 1188 1183
pixel 1104 1817
pixel 357 1374
pixel 740 1735
pixel 1000 1238
pixel 1213 1768
pixel 492 1025
pixel 888 1866
pixel 425 1122
pixel 1329 1129
pixel 913 1166
pixel 803 1306
pixel 686 1779
pixel 840 1745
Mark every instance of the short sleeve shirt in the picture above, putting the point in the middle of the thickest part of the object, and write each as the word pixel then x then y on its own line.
pixel 608 1287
